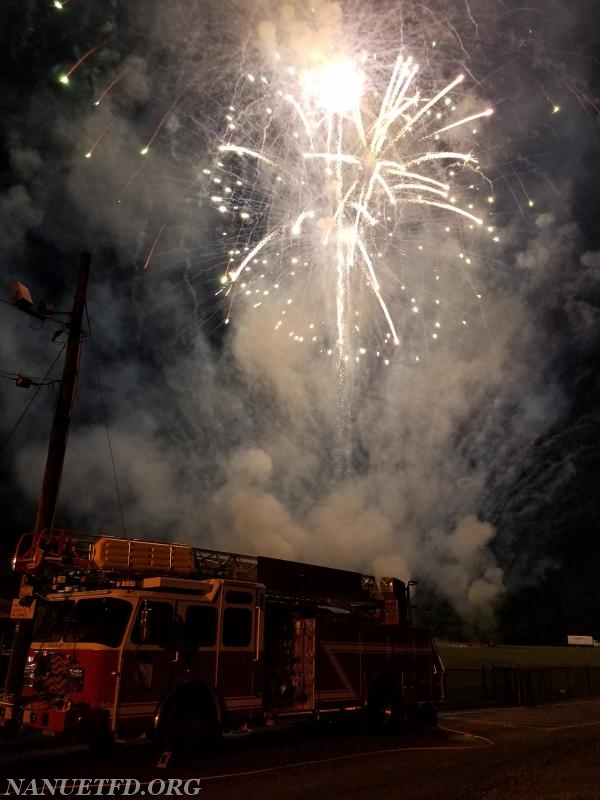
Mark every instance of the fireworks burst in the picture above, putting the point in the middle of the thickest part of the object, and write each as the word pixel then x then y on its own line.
pixel 327 180
pixel 349 203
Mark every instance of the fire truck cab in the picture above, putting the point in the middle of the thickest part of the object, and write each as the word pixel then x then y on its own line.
pixel 182 644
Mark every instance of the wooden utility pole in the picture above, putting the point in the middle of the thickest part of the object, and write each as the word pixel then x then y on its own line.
pixel 64 406
pixel 54 461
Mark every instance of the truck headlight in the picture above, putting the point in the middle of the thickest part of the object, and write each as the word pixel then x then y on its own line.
pixel 29 673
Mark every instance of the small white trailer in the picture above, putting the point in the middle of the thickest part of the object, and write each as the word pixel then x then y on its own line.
pixel 582 641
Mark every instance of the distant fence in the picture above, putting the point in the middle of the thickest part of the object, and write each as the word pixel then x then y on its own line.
pixel 486 686
pixel 491 686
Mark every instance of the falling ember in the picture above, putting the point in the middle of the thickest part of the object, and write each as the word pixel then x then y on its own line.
pixel 146 149
pixel 530 201
pixel 109 88
pixel 356 164
pixel 101 135
pixel 66 77
pixel 153 248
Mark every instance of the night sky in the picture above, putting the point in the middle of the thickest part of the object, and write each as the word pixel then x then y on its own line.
pixel 470 461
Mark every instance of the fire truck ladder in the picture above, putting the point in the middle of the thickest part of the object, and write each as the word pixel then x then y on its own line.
pixel 82 558
pixel 74 551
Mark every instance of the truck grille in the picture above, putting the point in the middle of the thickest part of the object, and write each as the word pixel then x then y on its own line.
pixel 51 674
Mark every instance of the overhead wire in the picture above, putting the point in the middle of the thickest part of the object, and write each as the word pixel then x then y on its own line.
pixel 40 317
pixel 33 380
pixel 43 382
pixel 110 450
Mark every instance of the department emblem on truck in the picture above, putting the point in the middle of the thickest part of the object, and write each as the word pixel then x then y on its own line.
pixel 182 644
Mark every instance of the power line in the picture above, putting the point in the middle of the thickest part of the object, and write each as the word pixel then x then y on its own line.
pixel 110 450
pixel 39 315
pixel 44 382
pixel 30 379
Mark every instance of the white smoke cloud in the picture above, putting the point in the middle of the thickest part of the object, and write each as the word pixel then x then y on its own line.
pixel 18 214
pixel 304 39
pixel 254 444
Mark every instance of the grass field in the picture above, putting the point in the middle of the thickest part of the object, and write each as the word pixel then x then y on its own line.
pixel 471 656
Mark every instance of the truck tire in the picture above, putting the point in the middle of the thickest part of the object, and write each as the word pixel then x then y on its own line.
pixel 384 710
pixel 191 727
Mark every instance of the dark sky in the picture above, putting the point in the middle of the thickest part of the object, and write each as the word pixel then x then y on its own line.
pixel 471 460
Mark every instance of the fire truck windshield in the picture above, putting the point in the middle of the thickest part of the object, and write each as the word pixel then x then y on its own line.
pixel 96 620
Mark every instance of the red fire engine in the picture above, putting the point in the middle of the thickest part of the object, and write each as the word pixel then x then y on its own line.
pixel 182 643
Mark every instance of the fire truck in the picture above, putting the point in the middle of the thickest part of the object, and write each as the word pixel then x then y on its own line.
pixel 181 644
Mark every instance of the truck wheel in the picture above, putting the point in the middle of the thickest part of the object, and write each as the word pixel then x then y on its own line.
pixel 191 728
pixel 383 708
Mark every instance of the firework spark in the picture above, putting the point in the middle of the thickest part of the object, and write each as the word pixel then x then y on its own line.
pixel 110 86
pixel 154 245
pixel 99 138
pixel 65 78
pixel 338 167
